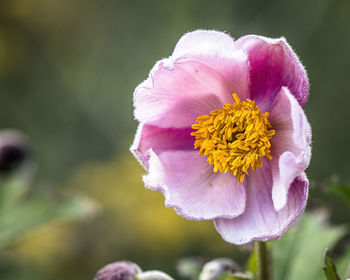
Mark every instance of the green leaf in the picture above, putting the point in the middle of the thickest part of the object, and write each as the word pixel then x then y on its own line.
pixel 343 265
pixel 234 276
pixel 252 265
pixel 298 254
pixel 225 275
pixel 329 268
pixel 21 214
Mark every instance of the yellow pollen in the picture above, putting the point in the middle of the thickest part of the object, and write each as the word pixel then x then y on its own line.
pixel 234 138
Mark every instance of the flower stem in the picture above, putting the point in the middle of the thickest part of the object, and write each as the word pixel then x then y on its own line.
pixel 262 261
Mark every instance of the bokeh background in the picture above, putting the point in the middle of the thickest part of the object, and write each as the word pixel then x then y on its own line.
pixel 67 74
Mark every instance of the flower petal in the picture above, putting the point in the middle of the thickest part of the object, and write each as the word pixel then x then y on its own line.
pixel 206 68
pixel 192 188
pixel 159 139
pixel 219 51
pixel 273 64
pixel 261 221
pixel 208 43
pixel 290 146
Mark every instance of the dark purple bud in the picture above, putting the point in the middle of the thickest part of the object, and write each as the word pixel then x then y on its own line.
pixel 122 270
pixel 213 269
pixel 14 151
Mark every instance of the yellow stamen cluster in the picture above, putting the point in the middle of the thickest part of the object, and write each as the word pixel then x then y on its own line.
pixel 234 138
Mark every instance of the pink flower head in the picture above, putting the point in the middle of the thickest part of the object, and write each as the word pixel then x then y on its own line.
pixel 223 134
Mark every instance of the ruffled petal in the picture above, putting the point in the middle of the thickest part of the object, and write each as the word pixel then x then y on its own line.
pixel 192 188
pixel 261 221
pixel 159 139
pixel 204 71
pixel 219 51
pixel 273 64
pixel 290 146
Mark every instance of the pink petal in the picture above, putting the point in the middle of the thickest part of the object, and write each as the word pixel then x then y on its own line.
pixel 261 221
pixel 219 51
pixel 273 64
pixel 192 188
pixel 159 139
pixel 204 71
pixel 290 146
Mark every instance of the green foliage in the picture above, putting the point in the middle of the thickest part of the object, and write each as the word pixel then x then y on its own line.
pixel 234 276
pixel 343 264
pixel 21 212
pixel 298 254
pixel 225 276
pixel 329 268
pixel 252 264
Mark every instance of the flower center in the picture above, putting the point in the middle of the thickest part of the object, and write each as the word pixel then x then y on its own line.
pixel 234 138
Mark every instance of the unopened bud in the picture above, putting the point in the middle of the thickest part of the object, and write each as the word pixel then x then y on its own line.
pixel 14 151
pixel 153 275
pixel 189 267
pixel 122 270
pixel 213 269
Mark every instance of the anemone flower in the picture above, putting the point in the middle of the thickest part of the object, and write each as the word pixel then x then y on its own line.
pixel 223 135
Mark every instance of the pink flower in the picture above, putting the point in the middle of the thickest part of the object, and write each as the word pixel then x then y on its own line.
pixel 223 134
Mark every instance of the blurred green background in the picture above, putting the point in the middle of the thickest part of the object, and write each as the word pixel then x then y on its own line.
pixel 67 74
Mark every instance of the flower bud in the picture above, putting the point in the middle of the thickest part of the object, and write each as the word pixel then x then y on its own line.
pixel 14 151
pixel 153 275
pixel 122 270
pixel 189 267
pixel 213 269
